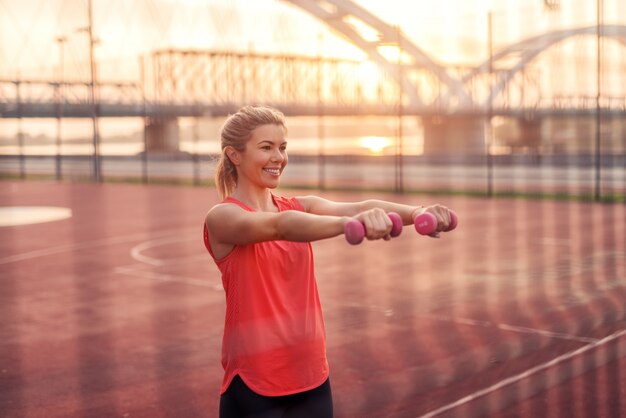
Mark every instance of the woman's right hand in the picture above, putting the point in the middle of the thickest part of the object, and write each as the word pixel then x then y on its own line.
pixel 376 222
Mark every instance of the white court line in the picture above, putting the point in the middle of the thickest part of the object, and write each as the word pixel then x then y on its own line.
pixel 513 379
pixel 87 244
pixel 137 252
pixel 513 328
pixel 332 303
pixel 544 333
pixel 160 277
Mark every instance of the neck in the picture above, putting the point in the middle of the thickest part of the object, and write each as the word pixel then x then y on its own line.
pixel 257 199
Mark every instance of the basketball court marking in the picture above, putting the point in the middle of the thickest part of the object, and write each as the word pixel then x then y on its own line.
pixel 513 328
pixel 534 370
pixel 28 215
pixel 161 277
pixel 137 250
pixel 137 253
pixel 371 307
pixel 471 322
pixel 89 244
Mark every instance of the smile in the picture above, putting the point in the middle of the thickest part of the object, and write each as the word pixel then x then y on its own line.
pixel 273 171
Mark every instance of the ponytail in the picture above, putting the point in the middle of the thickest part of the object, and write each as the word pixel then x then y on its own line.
pixel 225 176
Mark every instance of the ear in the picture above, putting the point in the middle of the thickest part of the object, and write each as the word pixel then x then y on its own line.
pixel 233 155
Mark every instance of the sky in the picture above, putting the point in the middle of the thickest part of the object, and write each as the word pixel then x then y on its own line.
pixel 451 31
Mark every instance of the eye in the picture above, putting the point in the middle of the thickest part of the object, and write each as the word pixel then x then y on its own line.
pixel 283 148
pixel 266 147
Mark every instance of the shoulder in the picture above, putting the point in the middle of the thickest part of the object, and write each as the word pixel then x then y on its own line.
pixel 222 211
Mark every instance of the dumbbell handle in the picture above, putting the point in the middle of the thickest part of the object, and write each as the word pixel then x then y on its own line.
pixel 355 231
pixel 426 223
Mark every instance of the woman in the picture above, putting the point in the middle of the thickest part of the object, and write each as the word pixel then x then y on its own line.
pixel 274 344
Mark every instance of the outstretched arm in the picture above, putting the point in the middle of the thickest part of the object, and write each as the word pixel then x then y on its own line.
pixel 321 206
pixel 230 225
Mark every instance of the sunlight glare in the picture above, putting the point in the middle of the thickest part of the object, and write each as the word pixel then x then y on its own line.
pixel 392 54
pixel 367 32
pixel 370 74
pixel 374 144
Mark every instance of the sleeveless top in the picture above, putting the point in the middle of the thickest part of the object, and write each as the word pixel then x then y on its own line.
pixel 274 335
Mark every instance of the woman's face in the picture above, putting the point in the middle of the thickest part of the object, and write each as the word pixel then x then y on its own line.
pixel 265 156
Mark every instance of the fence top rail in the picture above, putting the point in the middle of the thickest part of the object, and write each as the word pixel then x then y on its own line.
pixel 107 83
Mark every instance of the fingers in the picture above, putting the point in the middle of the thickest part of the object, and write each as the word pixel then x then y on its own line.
pixel 442 214
pixel 377 224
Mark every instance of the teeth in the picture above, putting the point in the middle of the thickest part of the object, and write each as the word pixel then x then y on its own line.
pixel 272 170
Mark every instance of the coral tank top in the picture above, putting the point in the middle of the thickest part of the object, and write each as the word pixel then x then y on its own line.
pixel 274 335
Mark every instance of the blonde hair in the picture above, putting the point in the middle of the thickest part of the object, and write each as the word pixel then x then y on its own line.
pixel 236 132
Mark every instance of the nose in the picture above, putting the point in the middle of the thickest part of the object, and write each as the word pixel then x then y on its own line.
pixel 277 156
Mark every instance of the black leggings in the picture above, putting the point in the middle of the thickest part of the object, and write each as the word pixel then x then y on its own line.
pixel 239 401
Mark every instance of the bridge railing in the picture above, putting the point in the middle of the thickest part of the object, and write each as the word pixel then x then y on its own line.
pixel 608 103
pixel 70 92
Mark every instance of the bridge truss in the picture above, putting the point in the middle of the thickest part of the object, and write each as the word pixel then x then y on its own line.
pixel 227 79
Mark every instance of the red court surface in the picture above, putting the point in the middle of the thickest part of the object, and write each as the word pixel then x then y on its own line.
pixel 118 310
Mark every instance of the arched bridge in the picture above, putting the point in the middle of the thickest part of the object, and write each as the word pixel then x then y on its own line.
pixel 426 83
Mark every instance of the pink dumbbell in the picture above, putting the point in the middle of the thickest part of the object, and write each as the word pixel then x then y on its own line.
pixel 426 223
pixel 355 231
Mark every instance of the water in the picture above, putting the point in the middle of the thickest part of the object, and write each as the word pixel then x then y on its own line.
pixel 124 136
